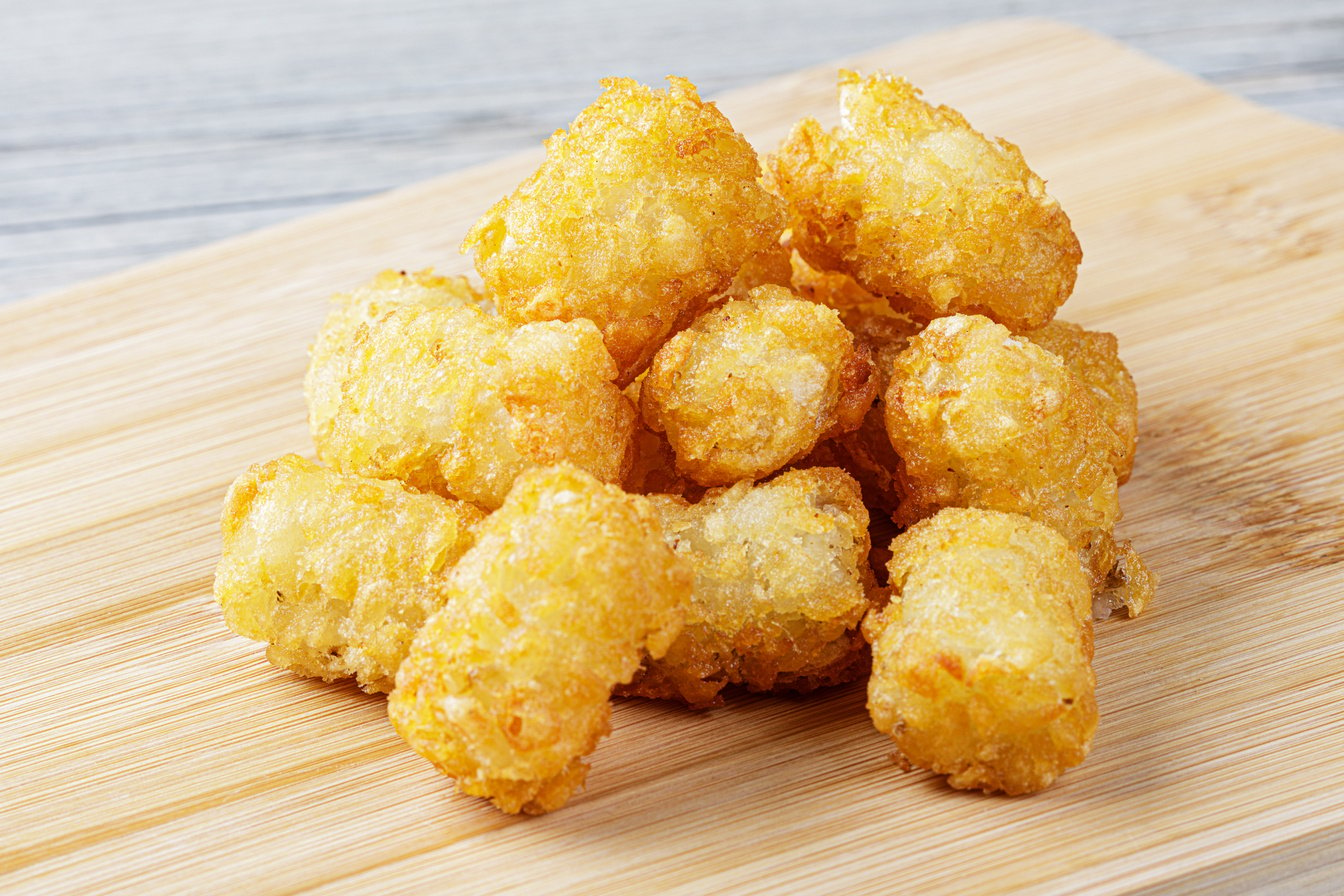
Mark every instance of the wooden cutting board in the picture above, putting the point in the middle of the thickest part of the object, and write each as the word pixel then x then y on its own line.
pixel 147 750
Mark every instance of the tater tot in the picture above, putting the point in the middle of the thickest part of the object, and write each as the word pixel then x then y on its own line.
pixel 326 367
pixel 754 384
pixel 568 589
pixel 982 660
pixel 1094 357
pixel 886 330
pixel 866 452
pixel 772 266
pixel 982 418
pixel 452 400
pixel 335 573
pixel 835 290
pixel 924 210
pixel 647 208
pixel 653 468
pixel 781 583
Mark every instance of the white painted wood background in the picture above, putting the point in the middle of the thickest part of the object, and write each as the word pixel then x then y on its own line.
pixel 138 128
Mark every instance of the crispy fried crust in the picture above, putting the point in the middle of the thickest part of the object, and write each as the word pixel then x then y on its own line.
pixel 866 452
pixel 871 318
pixel 1129 584
pixel 771 266
pixel 336 573
pixel 507 688
pixel 653 469
pixel 754 384
pixel 781 583
pixel 455 401
pixel 830 288
pixel 326 368
pixel 982 418
pixel 920 208
pixel 982 660
pixel 1094 357
pixel 647 208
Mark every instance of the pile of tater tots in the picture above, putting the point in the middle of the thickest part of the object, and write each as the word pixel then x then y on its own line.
pixel 643 457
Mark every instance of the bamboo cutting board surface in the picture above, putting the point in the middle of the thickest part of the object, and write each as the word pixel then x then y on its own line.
pixel 145 749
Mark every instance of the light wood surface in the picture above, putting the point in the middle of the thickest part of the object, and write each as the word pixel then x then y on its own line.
pixel 147 750
pixel 135 129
